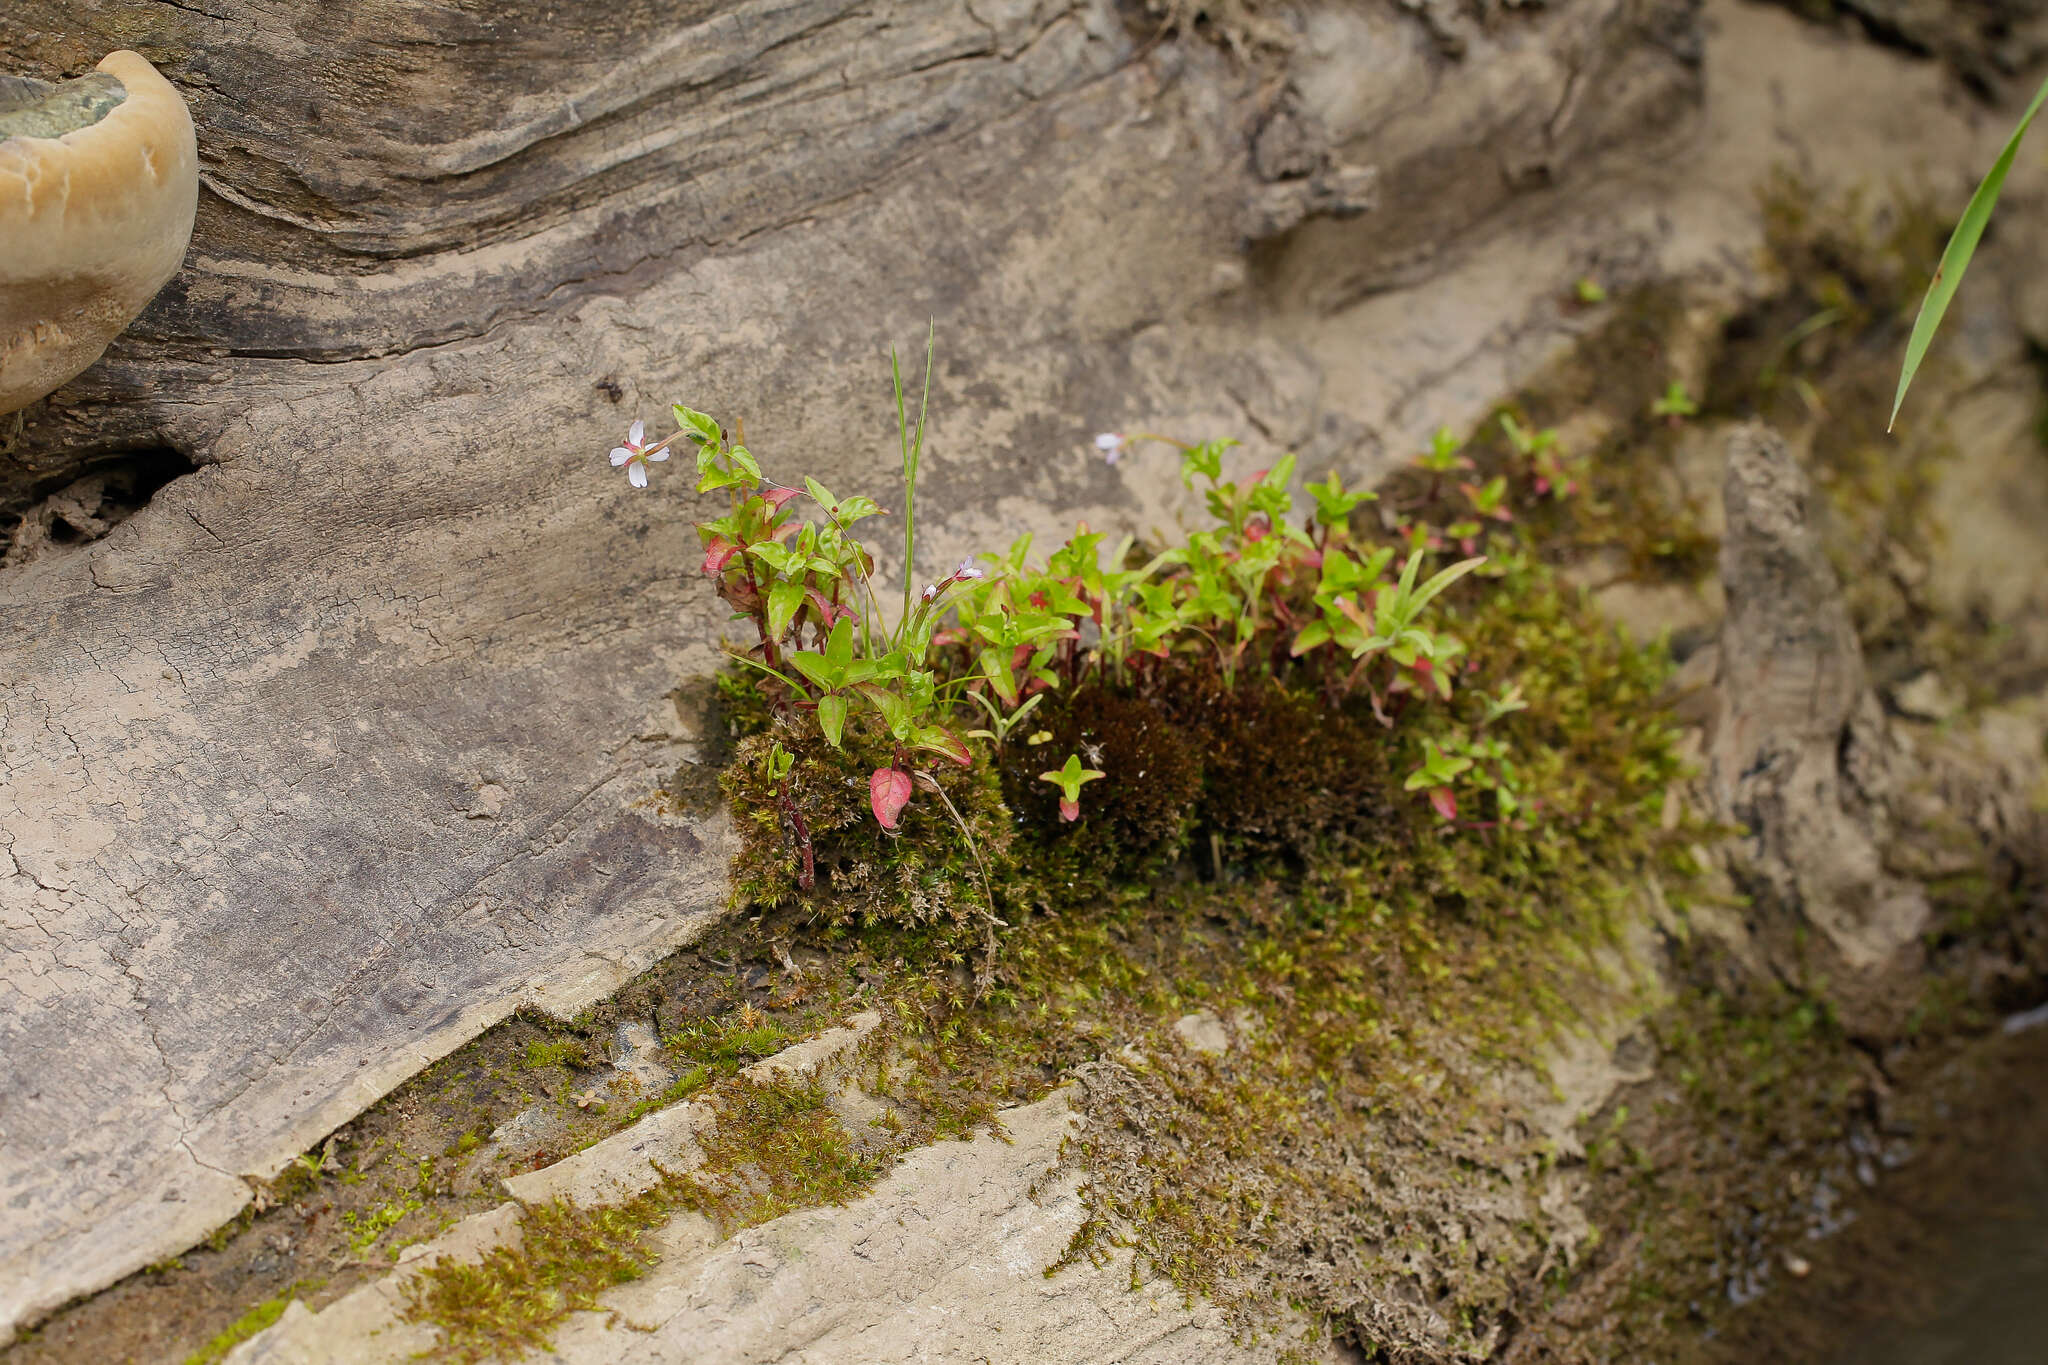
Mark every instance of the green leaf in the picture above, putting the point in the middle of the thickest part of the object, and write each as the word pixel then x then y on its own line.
pixel 1205 459
pixel 856 508
pixel 777 557
pixel 1313 634
pixel 1955 258
pixel 784 600
pixel 1070 777
pixel 839 647
pixel 814 666
pixel 743 460
pixel 832 718
pixel 939 740
pixel 819 493
pixel 1444 580
pixel 894 710
pixel 703 430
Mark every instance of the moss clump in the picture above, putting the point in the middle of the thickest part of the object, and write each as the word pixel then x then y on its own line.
pixel 542 1053
pixel 1140 812
pixel 810 842
pixel 777 1147
pixel 512 1300
pixel 1286 773
pixel 1350 1154
pixel 248 1325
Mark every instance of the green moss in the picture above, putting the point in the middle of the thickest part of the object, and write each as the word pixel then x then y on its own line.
pixel 776 1146
pixel 816 826
pixel 365 1228
pixel 248 1325
pixel 1141 810
pixel 542 1053
pixel 1376 992
pixel 512 1300
pixel 1375 964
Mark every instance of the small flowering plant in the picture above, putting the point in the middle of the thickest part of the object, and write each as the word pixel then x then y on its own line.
pixel 966 659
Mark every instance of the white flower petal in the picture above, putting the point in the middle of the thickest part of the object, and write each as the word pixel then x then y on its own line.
pixel 620 455
pixel 636 433
pixel 658 455
pixel 1108 441
pixel 637 475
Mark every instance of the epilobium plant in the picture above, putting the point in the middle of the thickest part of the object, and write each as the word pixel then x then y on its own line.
pixel 968 658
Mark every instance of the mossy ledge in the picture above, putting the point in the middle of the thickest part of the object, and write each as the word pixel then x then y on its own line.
pixel 1377 968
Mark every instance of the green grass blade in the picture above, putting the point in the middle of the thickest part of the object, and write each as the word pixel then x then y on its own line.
pixel 1955 258
pixel 909 492
pixel 913 453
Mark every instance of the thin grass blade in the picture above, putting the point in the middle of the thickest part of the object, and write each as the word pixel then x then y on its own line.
pixel 1955 258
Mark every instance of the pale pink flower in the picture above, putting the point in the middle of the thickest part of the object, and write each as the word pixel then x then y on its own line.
pixel 1111 444
pixel 635 454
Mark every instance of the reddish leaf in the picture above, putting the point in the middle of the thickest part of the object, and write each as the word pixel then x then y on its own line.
pixel 939 740
pixel 1070 810
pixel 1445 802
pixel 827 612
pixel 785 531
pixel 775 497
pixel 718 554
pixel 888 793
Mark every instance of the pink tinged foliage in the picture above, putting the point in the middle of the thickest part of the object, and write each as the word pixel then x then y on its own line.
pixel 888 793
pixel 1445 802
pixel 718 554
pixel 1070 810
pixel 775 497
pixel 831 613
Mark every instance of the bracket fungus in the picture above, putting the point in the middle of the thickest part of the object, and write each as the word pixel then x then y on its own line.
pixel 99 182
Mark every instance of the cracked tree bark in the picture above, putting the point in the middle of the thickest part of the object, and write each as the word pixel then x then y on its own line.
pixel 338 749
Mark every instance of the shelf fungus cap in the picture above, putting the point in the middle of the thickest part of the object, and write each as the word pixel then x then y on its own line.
pixel 99 182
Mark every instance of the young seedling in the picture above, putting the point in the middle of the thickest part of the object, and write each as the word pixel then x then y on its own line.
pixel 1444 454
pixel 1069 780
pixel 1437 772
pixel 1676 405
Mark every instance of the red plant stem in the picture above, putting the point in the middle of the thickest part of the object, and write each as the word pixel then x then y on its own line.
pixel 808 877
pixel 760 615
